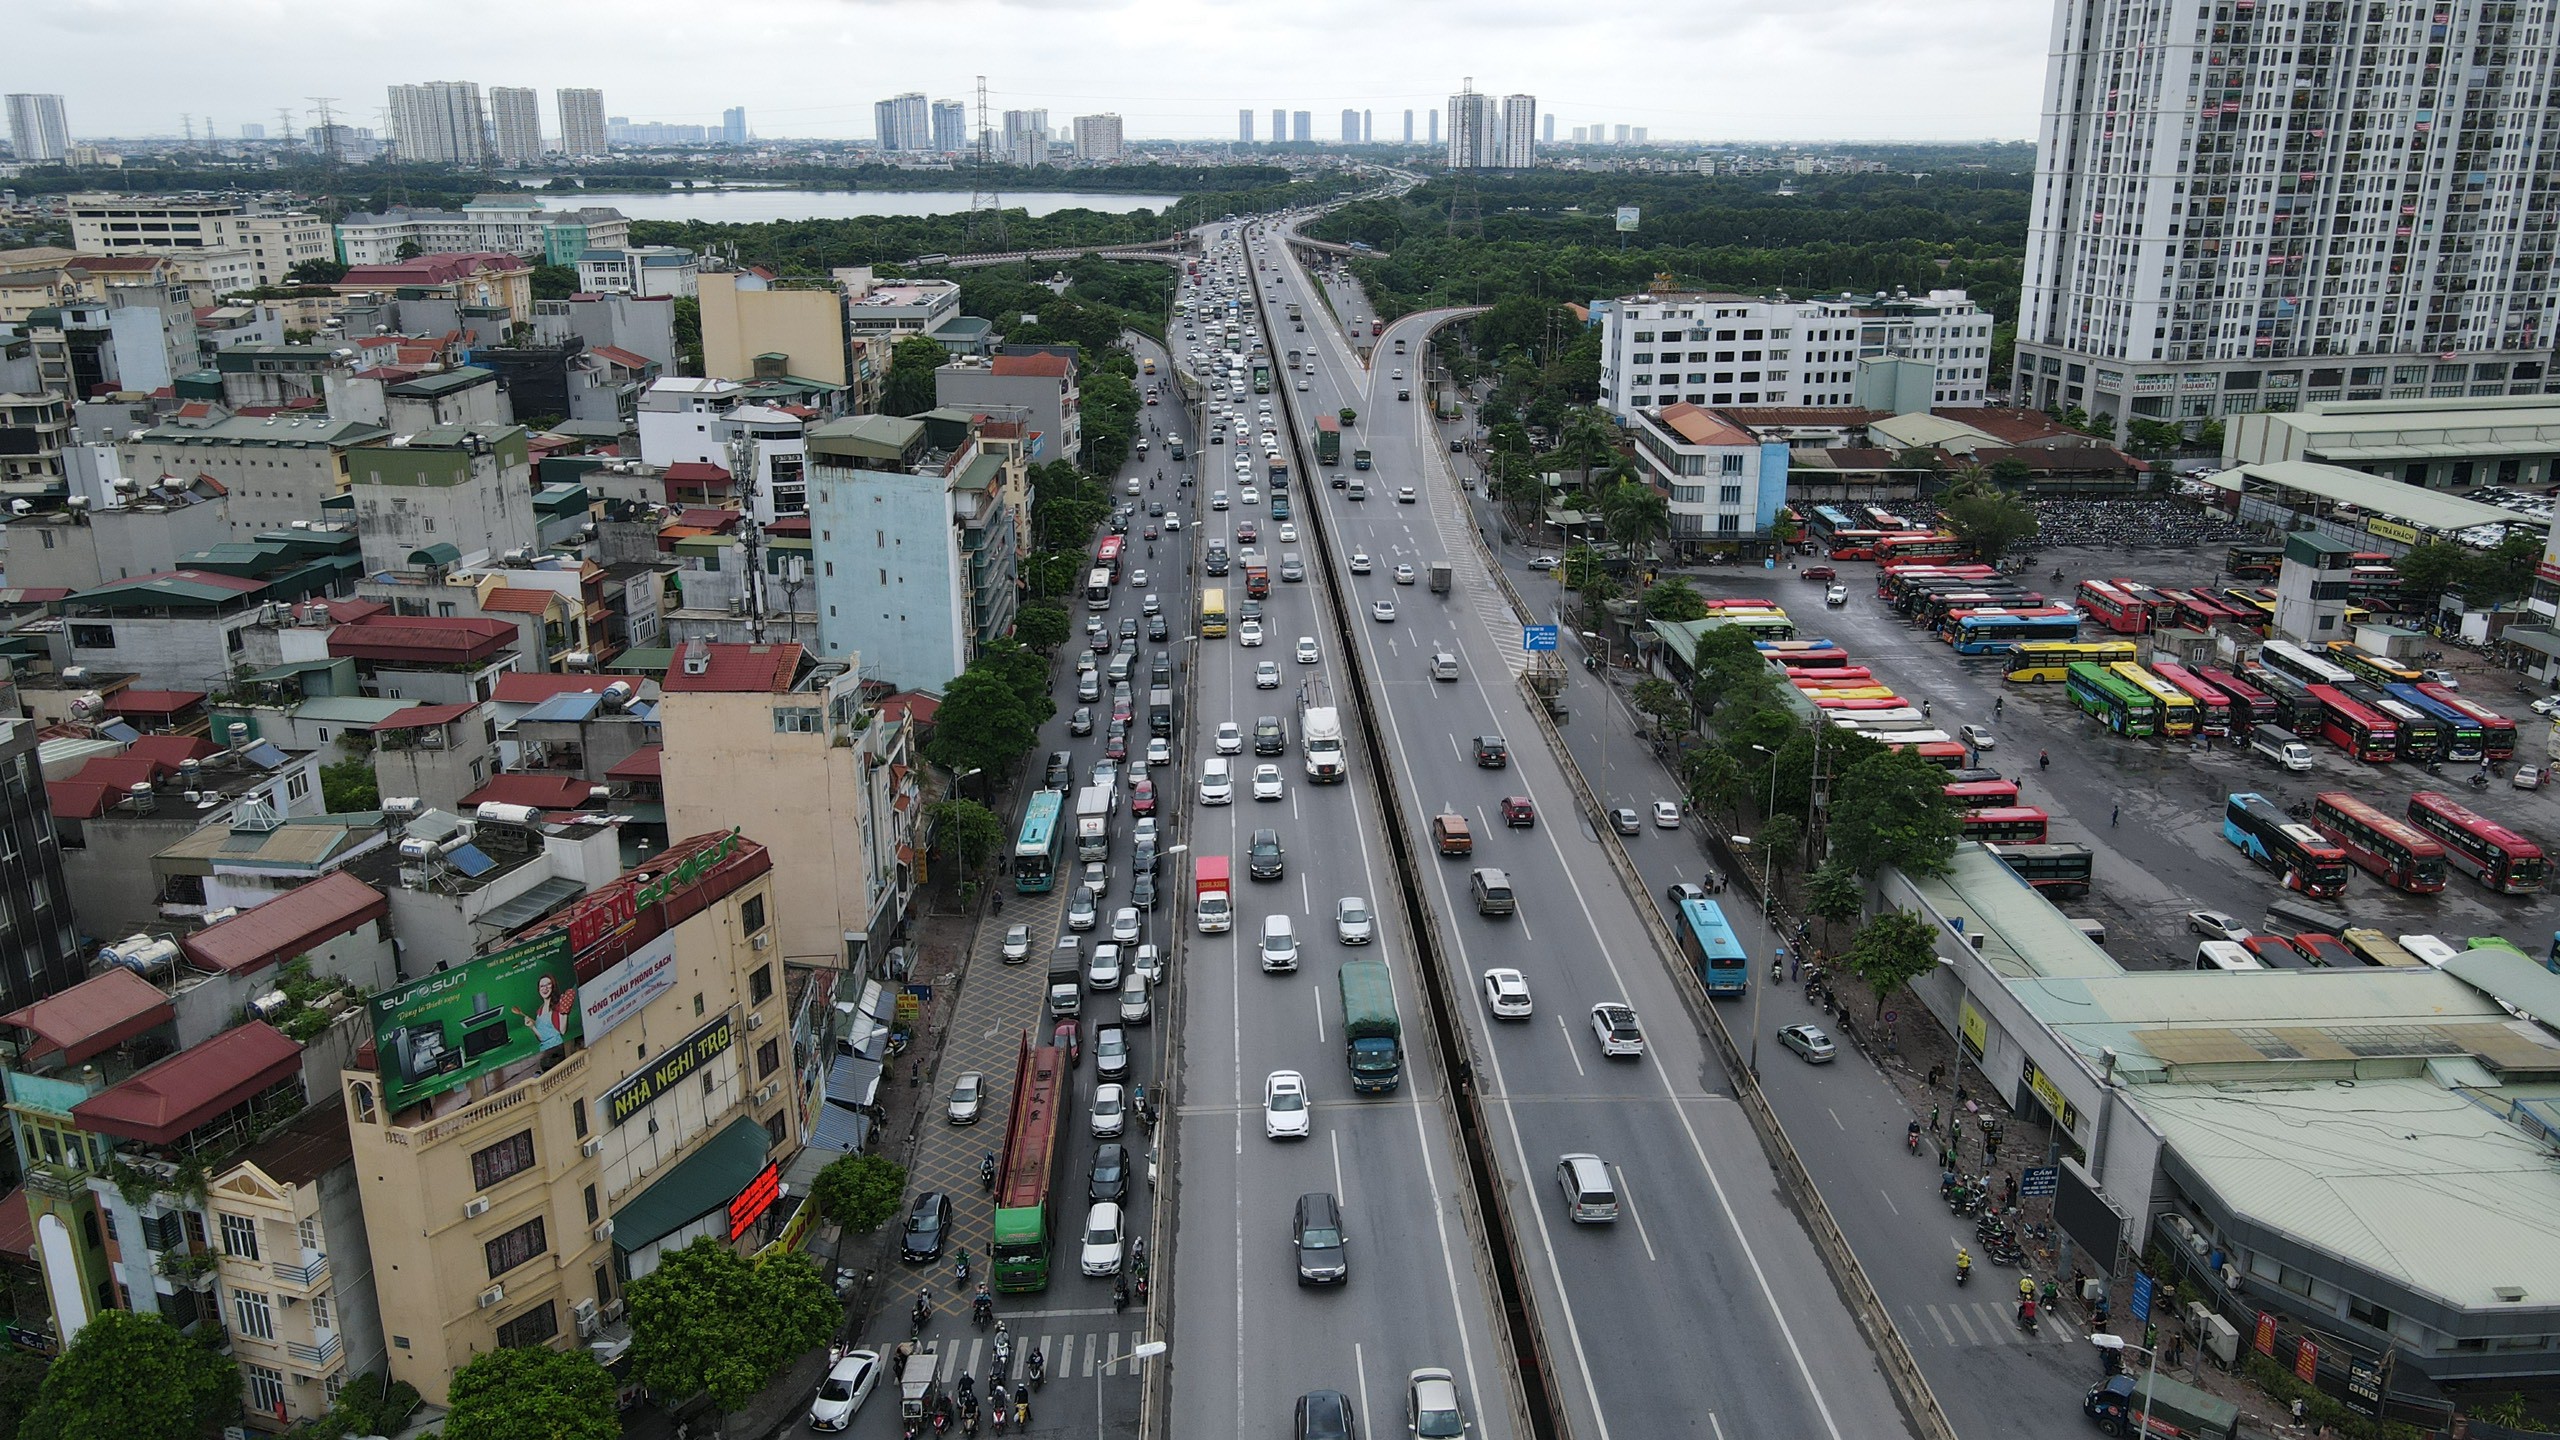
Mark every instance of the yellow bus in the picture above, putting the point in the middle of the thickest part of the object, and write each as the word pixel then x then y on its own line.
pixel 1213 612
pixel 2177 707
pixel 2037 662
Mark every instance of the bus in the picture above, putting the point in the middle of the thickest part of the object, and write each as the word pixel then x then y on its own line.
pixel 2250 705
pixel 2306 859
pixel 2226 955
pixel 1945 754
pixel 2041 662
pixel 1801 654
pixel 1723 967
pixel 2006 825
pixel 2375 581
pixel 1854 544
pixel 1917 546
pixel 1984 794
pixel 1213 612
pixel 1097 586
pixel 2098 690
pixel 2162 604
pixel 2375 948
pixel 1928 606
pixel 2497 732
pixel 2200 611
pixel 2497 857
pixel 2179 712
pixel 2213 708
pixel 2422 736
pixel 1758 624
pixel 1994 632
pixel 1885 520
pixel 2302 665
pixel 1827 521
pixel 2295 708
pixel 2462 735
pixel 2113 608
pixel 2057 868
pixel 1108 557
pixel 2244 560
pixel 2371 668
pixel 2355 728
pixel 2263 606
pixel 1895 583
pixel 1026 1216
pixel 2389 850
pixel 1042 843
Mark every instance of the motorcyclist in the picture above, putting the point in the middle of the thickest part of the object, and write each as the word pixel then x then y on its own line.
pixel 987 1170
pixel 1964 1264
pixel 1035 1367
pixel 923 1311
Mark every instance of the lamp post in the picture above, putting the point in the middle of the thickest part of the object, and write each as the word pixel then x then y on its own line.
pixel 1768 866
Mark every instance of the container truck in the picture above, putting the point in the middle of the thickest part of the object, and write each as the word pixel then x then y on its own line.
pixel 1257 579
pixel 1093 823
pixel 1328 440
pixel 1373 1038
pixel 1320 731
pixel 1212 902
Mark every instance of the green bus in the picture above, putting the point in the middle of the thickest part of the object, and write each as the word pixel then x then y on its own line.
pixel 1042 841
pixel 1026 1215
pixel 2127 708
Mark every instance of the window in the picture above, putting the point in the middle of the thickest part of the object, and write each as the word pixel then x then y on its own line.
pixel 1730 464
pixel 1728 524
pixel 530 1328
pixel 162 1232
pixel 578 1117
pixel 591 1205
pixel 308 1233
pixel 768 1057
pixel 751 920
pixel 516 1247
pixel 240 1236
pixel 323 1311
pixel 506 1159
pixel 93 637
pixel 266 1389
pixel 795 720
pixel 257 1320
pixel 297 786
pixel 1729 495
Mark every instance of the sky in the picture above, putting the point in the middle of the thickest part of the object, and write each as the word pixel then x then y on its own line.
pixel 1748 70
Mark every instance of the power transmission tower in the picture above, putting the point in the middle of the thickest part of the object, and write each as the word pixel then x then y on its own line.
pixel 188 123
pixel 328 129
pixel 986 207
pixel 1466 207
pixel 284 123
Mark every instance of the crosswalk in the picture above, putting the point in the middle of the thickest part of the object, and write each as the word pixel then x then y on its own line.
pixel 1069 1355
pixel 1980 1324
pixel 1493 608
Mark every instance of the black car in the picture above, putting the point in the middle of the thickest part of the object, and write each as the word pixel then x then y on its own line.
pixel 927 1224
pixel 1325 1415
pixel 1491 753
pixel 1129 628
pixel 1142 890
pixel 1270 737
pixel 1157 629
pixel 1110 1177
pixel 1315 1228
pixel 1267 860
pixel 1143 858
pixel 1062 768
pixel 1156 508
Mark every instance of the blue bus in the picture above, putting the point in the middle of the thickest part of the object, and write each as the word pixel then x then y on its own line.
pixel 1038 852
pixel 1997 633
pixel 1713 951
pixel 2462 733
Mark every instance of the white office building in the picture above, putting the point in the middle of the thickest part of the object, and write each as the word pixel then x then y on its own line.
pixel 1517 146
pixel 2241 209
pixel 1475 130
pixel 39 130
pixel 441 122
pixel 582 122
pixel 1711 349
pixel 904 122
pixel 1097 138
pixel 218 242
pixel 515 125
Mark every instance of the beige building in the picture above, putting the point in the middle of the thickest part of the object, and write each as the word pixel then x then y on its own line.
pixel 791 327
pixel 218 243
pixel 288 1224
pixel 515 1191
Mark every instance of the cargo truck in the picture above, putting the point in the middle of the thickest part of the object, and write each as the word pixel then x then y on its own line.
pixel 1320 731
pixel 1093 823
pixel 1360 458
pixel 2158 1405
pixel 1440 576
pixel 1373 1037
pixel 1328 440
pixel 1279 481
pixel 1212 899
pixel 1257 579
pixel 1160 710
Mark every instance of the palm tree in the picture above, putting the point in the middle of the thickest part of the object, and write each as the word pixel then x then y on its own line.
pixel 1588 439
pixel 1636 515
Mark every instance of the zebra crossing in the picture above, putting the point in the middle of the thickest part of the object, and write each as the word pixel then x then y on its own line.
pixel 1069 1355
pixel 1458 542
pixel 1979 1325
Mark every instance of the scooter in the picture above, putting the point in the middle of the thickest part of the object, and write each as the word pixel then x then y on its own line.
pixel 1036 1369
pixel 2027 1316
pixel 1964 1268
pixel 982 1311
pixel 1911 1138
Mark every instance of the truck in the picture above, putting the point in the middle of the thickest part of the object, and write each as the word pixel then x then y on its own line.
pixel 1328 440
pixel 1293 359
pixel 1066 976
pixel 1320 732
pixel 2121 1403
pixel 1360 458
pixel 1093 823
pixel 1160 710
pixel 1257 578
pixel 1373 1038
pixel 1261 377
pixel 1279 480
pixel 1440 577
pixel 1212 897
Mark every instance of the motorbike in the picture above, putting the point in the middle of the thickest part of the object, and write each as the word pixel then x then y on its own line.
pixel 2479 780
pixel 2027 1316
pixel 1777 972
pixel 1003 1347
pixel 1119 1295
pixel 969 1417
pixel 998 1411
pixel 922 1314
pixel 1036 1369
pixel 1964 1267
pixel 982 1311
pixel 1911 1138
pixel 987 1173
pixel 1140 1288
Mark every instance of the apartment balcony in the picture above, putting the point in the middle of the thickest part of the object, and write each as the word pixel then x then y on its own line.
pixel 313 1268
pixel 323 1350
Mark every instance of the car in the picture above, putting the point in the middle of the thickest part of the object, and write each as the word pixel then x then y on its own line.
pixel 1149 965
pixel 2527 777
pixel 1229 739
pixel 1109 1177
pixel 1302 383
pixel 1081 722
pixel 1404 494
pixel 1109 1113
pixel 1124 925
pixel 1403 575
pixel 1129 627
pixel 1266 782
pixel 1158 628
pixel 1383 611
pixel 2548 707
pixel 1270 737
pixel 1288 532
pixel 1809 1041
pixel 1247 533
pixel 1142 885
pixel 1978 736
pixel 1352 922
pixel 1307 653
pixel 1519 813
pixel 847 1385
pixel 1115 746
pixel 1218 498
pixel 1067 1037
pixel 1248 632
pixel 1431 1409
pixel 1102 972
pixel 1105 772
pixel 1819 573
pixel 1105 1239
pixel 1506 994
pixel 1082 913
pixel 1159 751
pixel 1315 1232
pixel 1625 820
pixel 1249 495
pixel 1544 562
pixel 1324 1414
pixel 1682 890
pixel 1293 571
pixel 928 1225
pixel 2214 925
pixel 1492 753
pixel 1285 1112
pixel 1666 814
pixel 1061 771
pixel 1279 945
pixel 1017 944
pixel 1142 796
pixel 1615 1025
pixel 1836 595
pixel 1266 676
pixel 1265 859
pixel 1152 605
pixel 1097 878
pixel 968 1093
pixel 1359 562
pixel 1088 688
pixel 2444 678
pixel 1172 523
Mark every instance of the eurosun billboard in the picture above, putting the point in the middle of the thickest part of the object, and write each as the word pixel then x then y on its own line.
pixel 433 1034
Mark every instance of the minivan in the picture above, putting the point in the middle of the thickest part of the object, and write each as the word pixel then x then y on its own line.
pixel 1590 1197
pixel 2280 745
pixel 1217 782
pixel 1492 891
pixel 1279 945
pixel 1134 1006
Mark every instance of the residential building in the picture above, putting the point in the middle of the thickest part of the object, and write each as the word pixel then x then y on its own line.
pixel 899 307
pixel 441 122
pixel 733 125
pixel 1279 125
pixel 649 270
pixel 138 340
pixel 752 326
pixel 2293 236
pixel 181 628
pixel 950 126
pixel 515 126
pixel 1365 119
pixel 39 133
pixel 1550 122
pixel 1516 144
pixel 438 498
pixel 1772 350
pixel 116 814
pixel 505 224
pixel 33 430
pixel 485 280
pixel 1350 127
pixel 702 423
pixel 915 549
pixel 1726 483
pixel 1026 137
pixel 635 325
pixel 581 123
pixel 1097 139
pixel 1244 126
pixel 1475 130
pixel 1408 127
pixel 1434 141
pixel 903 122
pixel 1302 127
pixel 144 532
pixel 214 234
pixel 1041 388
pixel 296 1267
pixel 766 739
pixel 40 952
pixel 510 1198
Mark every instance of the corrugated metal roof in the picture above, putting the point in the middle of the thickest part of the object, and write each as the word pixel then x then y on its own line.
pixel 349 709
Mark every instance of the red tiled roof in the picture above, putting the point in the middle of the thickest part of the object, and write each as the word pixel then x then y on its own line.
pixel 514 600
pixel 78 799
pixel 1699 426
pixel 118 264
pixel 525 687
pixel 94 1016
pixel 425 639
pixel 696 470
pixel 195 410
pixel 153 702
pixel 168 750
pixel 421 717
pixel 641 764
pixel 542 792
pixel 737 670
pixel 429 270
pixel 165 1101
pixel 1054 367
pixel 290 924
pixel 916 705
pixel 353 612
pixel 789 525
pixel 124 771
pixel 17 1226
pixel 1846 415
pixel 704 518
pixel 2010 427
pixel 622 357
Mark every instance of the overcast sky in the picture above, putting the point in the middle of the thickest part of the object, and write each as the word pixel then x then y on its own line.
pixel 1687 69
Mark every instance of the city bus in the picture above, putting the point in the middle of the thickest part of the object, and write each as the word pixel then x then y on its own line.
pixel 2302 665
pixel 2263 606
pixel 2422 736
pixel 2307 859
pixel 2058 868
pixel 1983 794
pixel 1097 587
pixel 2179 712
pixel 1213 612
pixel 2200 611
pixel 1042 843
pixel 1945 754
pixel 2007 825
pixel 1928 606
pixel 2355 728
pixel 2497 857
pixel 1758 624
pixel 1802 654
pixel 1108 557
pixel 2098 690
pixel 2371 668
pixel 1723 967
pixel 1917 546
pixel 2041 662
pixel 1026 1213
pixel 1994 632
pixel 2113 608
pixel 2213 708
pixel 2462 734
pixel 2375 581
pixel 2249 705
pixel 1827 679
pixel 2389 850
pixel 1854 544
pixel 2375 948
pixel 2295 709
pixel 2497 732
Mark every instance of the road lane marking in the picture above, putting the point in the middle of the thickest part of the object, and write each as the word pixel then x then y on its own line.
pixel 1572 1050
pixel 1318 992
pixel 1341 1192
pixel 1627 1198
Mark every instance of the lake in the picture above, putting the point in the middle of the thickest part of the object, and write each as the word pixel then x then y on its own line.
pixel 749 206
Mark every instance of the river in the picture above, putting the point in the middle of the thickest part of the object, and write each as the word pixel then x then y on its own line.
pixel 749 205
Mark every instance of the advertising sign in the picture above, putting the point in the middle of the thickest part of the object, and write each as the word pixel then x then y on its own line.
pixel 453 1026
pixel 632 1096
pixel 2391 530
pixel 750 1204
pixel 1627 217
pixel 620 991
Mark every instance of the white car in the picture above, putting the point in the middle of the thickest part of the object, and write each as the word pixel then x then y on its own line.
pixel 1279 944
pixel 1544 562
pixel 1138 581
pixel 1017 944
pixel 1152 605
pixel 1978 736
pixel 2213 924
pixel 1266 676
pixel 1404 575
pixel 1352 923
pixel 1266 782
pixel 1249 632
pixel 1159 751
pixel 1104 1239
pixel 1302 384
pixel 1288 532
pixel 1081 910
pixel 2547 707
pixel 1618 1032
pixel 1218 500
pixel 1836 595
pixel 1666 814
pixel 1307 650
pixel 1285 1113
pixel 1506 994
pixel 1230 738
pixel 1404 494
pixel 1173 522
pixel 1124 925
pixel 1109 1113
pixel 843 1391
pixel 1359 562
pixel 1383 611
pixel 1248 495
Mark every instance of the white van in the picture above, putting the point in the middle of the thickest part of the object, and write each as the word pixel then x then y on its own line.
pixel 2225 955
pixel 1217 782
pixel 1279 945
pixel 2280 745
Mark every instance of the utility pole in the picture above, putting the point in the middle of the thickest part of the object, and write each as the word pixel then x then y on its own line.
pixel 986 207
pixel 188 123
pixel 328 129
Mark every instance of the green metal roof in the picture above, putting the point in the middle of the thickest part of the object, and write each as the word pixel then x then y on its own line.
pixel 704 1181
pixel 979 473
pixel 867 437
pixel 439 553
pixel 650 662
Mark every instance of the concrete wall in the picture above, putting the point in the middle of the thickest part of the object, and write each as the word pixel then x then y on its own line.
pixel 189 652
pixel 410 498
pixel 738 325
pixel 438 776
pixel 271 486
pixel 83 549
pixel 888 575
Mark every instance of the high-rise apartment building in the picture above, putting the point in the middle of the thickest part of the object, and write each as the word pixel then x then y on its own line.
pixel 1302 126
pixel 38 129
pixel 1097 138
pixel 1550 136
pixel 903 122
pixel 1350 127
pixel 440 123
pixel 1408 127
pixel 1026 137
pixel 1475 130
pixel 1244 126
pixel 733 125
pixel 1279 126
pixel 581 122
pixel 515 125
pixel 1434 141
pixel 950 126
pixel 1516 148
pixel 2251 209
pixel 1367 119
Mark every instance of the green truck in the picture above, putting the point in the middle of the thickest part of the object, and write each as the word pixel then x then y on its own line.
pixel 1328 440
pixel 1372 1035
pixel 2158 1405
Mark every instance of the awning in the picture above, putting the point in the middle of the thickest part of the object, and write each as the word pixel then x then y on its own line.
pixel 704 1181
pixel 853 1080
pixel 545 897
pixel 840 1129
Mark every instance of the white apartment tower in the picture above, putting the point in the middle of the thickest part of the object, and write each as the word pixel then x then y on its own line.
pixel 440 123
pixel 1279 126
pixel 2246 208
pixel 1244 126
pixel 904 122
pixel 950 126
pixel 515 125
pixel 1350 127
pixel 1097 138
pixel 1474 129
pixel 1026 137
pixel 582 122
pixel 1711 349
pixel 1517 148
pixel 38 129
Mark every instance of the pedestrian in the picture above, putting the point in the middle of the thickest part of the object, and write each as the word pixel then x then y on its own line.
pixel 1990 1147
pixel 1933 1119
pixel 2114 814
pixel 2044 759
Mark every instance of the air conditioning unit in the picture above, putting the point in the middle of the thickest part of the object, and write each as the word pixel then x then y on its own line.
pixel 765 1095
pixel 763 942
pixel 494 1295
pixel 612 1311
pixel 588 1325
pixel 591 1147
pixel 755 1019
pixel 604 1230
pixel 474 1208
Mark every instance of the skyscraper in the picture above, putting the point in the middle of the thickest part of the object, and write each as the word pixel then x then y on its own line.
pixel 38 130
pixel 903 122
pixel 2232 216
pixel 1302 126
pixel 1279 126
pixel 440 123
pixel 1097 138
pixel 950 126
pixel 1551 128
pixel 1350 127
pixel 581 122
pixel 1474 130
pixel 1517 147
pixel 1026 137
pixel 733 125
pixel 1408 127
pixel 1244 127
pixel 1434 141
pixel 515 125
pixel 1366 118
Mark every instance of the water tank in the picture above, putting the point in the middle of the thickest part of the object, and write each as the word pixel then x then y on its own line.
pixel 269 1005
pixel 238 733
pixel 85 706
pixel 600 792
pixel 508 814
pixel 142 954
pixel 417 847
pixel 22 507
pixel 617 696
pixel 75 674
pixel 217 916
pixel 578 660
pixel 402 806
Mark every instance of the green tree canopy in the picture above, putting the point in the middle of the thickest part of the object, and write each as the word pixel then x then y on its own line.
pixel 1582 568
pixel 532 1390
pixel 1891 809
pixel 131 1376
pixel 1780 837
pixel 860 1192
pixel 1988 518
pixel 1635 514
pixel 966 831
pixel 1674 599
pixel 982 725
pixel 317 272
pixel 2432 569
pixel 348 785
pixel 2502 573
pixel 1713 779
pixel 554 282
pixel 1042 625
pixel 708 1321
pixel 1833 893
pixel 911 365
pixel 1891 951
pixel 1661 700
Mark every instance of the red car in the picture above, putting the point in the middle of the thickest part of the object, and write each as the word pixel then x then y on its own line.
pixel 1142 797
pixel 1070 1038
pixel 1246 533
pixel 1820 572
pixel 1517 811
pixel 1117 747
pixel 1151 532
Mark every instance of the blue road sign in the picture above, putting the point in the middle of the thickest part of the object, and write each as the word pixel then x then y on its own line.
pixel 1538 637
pixel 2040 1181
pixel 2141 1297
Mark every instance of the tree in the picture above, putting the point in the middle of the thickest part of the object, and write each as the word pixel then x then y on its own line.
pixel 708 1321
pixel 1834 894
pixel 2502 573
pixel 1713 780
pixel 1780 837
pixel 532 1390
pixel 1581 567
pixel 966 831
pixel 1891 809
pixel 1893 950
pixel 1988 519
pixel 2431 569
pixel 1674 599
pixel 1927 459
pixel 554 282
pixel 322 271
pixel 1042 625
pixel 1661 700
pixel 688 327
pixel 911 365
pixel 132 1376
pixel 1636 515
pixel 860 1192
pixel 982 725
pixel 21 1380
pixel 348 785
pixel 409 250
pixel 2010 472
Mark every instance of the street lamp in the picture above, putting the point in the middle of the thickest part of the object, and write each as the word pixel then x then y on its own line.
pixel 1768 865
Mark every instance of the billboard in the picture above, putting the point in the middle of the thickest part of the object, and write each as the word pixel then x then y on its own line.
pixel 456 1025
pixel 622 990
pixel 1627 217
pixel 634 1094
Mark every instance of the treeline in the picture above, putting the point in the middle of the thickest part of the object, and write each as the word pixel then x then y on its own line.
pixel 659 174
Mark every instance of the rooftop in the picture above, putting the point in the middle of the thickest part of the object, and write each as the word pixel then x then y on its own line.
pixel 162 1103
pixel 1055 367
pixel 705 668
pixel 540 792
pixel 1695 425
pixel 2432 509
pixel 424 639
pixel 291 923
pixel 93 1016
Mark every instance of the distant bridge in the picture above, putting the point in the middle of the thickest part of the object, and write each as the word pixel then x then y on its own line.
pixel 1172 251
